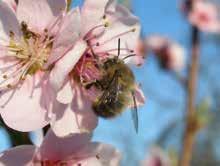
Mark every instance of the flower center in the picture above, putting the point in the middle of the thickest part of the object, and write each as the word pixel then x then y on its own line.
pixel 25 56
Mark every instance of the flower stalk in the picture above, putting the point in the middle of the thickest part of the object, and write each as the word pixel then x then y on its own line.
pixel 69 2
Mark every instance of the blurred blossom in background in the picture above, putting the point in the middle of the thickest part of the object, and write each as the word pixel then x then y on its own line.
pixel 165 45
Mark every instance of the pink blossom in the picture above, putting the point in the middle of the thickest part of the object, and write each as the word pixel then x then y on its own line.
pixel 27 42
pixel 204 15
pixel 170 54
pixel 156 157
pixel 75 150
pixel 102 23
pixel 141 51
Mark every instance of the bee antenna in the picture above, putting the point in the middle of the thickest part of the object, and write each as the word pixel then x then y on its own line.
pixel 119 47
pixel 131 55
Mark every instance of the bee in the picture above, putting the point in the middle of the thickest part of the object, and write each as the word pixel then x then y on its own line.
pixel 117 85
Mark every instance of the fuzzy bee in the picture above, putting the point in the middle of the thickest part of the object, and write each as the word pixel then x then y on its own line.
pixel 117 86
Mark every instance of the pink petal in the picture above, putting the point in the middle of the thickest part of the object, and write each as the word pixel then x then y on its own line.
pixel 91 161
pixel 19 156
pixel 75 118
pixel 140 51
pixel 139 95
pixel 23 112
pixel 64 122
pixel 38 14
pixel 67 35
pixel 8 23
pixel 106 154
pixel 57 148
pixel 63 67
pixel 65 95
pixel 123 25
pixel 92 13
pixel 11 4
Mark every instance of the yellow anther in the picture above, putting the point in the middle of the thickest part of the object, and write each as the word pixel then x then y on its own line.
pixel 11 34
pixel 106 24
pixel 133 30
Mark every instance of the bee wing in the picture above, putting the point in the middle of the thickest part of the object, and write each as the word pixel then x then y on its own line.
pixel 110 95
pixel 134 112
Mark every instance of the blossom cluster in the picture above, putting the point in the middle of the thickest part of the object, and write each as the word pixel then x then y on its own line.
pixel 48 56
pixel 203 14
pixel 170 54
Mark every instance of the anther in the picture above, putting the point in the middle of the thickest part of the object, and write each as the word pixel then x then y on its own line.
pixel 5 76
pixel 22 78
pixel 131 51
pixel 11 34
pixel 104 17
pixel 97 156
pixel 46 30
pixel 133 30
pixel 9 86
pixel 106 24
pixel 97 44
pixel 79 164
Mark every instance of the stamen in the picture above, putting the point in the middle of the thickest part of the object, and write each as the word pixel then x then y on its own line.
pixel 33 86
pixel 9 98
pixel 11 75
pixel 129 56
pixel 88 37
pixel 113 50
pixel 118 36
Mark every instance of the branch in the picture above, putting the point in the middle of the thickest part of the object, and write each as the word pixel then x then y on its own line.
pixel 190 131
pixel 69 3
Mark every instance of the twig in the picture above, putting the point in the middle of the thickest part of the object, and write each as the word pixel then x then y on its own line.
pixel 190 131
pixel 69 3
